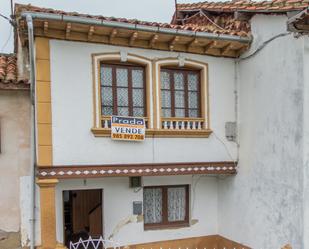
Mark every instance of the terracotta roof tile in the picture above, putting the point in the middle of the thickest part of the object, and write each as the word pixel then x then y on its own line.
pixel 8 72
pixel 267 6
pixel 185 26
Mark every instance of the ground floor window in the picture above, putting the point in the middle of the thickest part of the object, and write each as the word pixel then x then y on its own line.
pixel 166 206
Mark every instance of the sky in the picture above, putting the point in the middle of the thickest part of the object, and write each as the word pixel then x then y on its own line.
pixel 147 10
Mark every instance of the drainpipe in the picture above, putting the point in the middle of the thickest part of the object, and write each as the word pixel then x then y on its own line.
pixel 33 130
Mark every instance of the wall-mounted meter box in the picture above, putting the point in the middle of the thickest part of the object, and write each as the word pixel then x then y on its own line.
pixel 137 208
pixel 135 182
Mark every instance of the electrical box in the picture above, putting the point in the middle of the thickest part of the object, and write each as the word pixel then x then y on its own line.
pixel 230 131
pixel 135 182
pixel 137 208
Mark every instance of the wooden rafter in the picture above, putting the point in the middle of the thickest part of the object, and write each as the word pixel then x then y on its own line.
pixel 90 32
pixel 22 24
pixel 193 43
pixel 45 27
pixel 113 35
pixel 241 50
pixel 173 42
pixel 133 38
pixel 226 48
pixel 210 45
pixel 153 41
pixel 68 30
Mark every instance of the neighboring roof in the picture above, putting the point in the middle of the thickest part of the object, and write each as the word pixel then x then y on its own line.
pixel 299 23
pixel 221 15
pixel 222 23
pixel 192 27
pixel 9 73
pixel 250 6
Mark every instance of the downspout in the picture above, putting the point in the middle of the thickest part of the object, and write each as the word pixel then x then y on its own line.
pixel 33 130
pixel 236 110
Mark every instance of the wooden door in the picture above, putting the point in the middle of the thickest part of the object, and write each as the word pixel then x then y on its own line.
pixel 87 212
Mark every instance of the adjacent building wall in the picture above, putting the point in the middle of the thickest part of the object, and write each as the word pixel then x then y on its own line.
pixel 306 145
pixel 14 160
pixel 262 205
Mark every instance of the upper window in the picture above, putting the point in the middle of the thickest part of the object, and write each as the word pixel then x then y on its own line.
pixel 123 90
pixel 166 206
pixel 180 93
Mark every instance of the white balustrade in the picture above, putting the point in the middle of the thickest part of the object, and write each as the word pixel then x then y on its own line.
pixel 182 125
pixel 176 126
pixel 169 124
pixel 106 126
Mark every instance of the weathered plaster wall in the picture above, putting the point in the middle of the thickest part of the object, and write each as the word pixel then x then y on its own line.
pixel 14 156
pixel 118 200
pixel 72 112
pixel 262 206
pixel 306 145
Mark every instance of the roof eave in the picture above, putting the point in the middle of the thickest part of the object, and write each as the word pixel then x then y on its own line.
pixel 137 27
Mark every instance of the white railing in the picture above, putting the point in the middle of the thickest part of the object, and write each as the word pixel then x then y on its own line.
pixel 184 124
pixel 94 243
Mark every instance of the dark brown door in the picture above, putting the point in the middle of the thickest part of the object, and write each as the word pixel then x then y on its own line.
pixel 85 214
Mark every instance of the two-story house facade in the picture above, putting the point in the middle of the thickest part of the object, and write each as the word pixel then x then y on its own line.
pixel 196 86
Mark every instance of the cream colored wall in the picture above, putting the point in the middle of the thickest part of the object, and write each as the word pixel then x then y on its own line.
pixel 122 226
pixel 14 156
pixel 73 113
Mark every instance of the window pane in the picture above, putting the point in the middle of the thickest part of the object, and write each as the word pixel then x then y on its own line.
pixel 138 112
pixel 176 204
pixel 166 99
pixel 122 77
pixel 179 99
pixel 179 112
pixel 122 97
pixel 178 81
pixel 107 111
pixel 193 100
pixel 166 113
pixel 107 96
pixel 137 78
pixel 193 113
pixel 165 80
pixel 123 111
pixel 152 205
pixel 138 97
pixel 192 81
pixel 106 76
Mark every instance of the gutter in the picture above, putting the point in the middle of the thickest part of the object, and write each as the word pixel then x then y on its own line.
pixel 33 130
pixel 137 27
